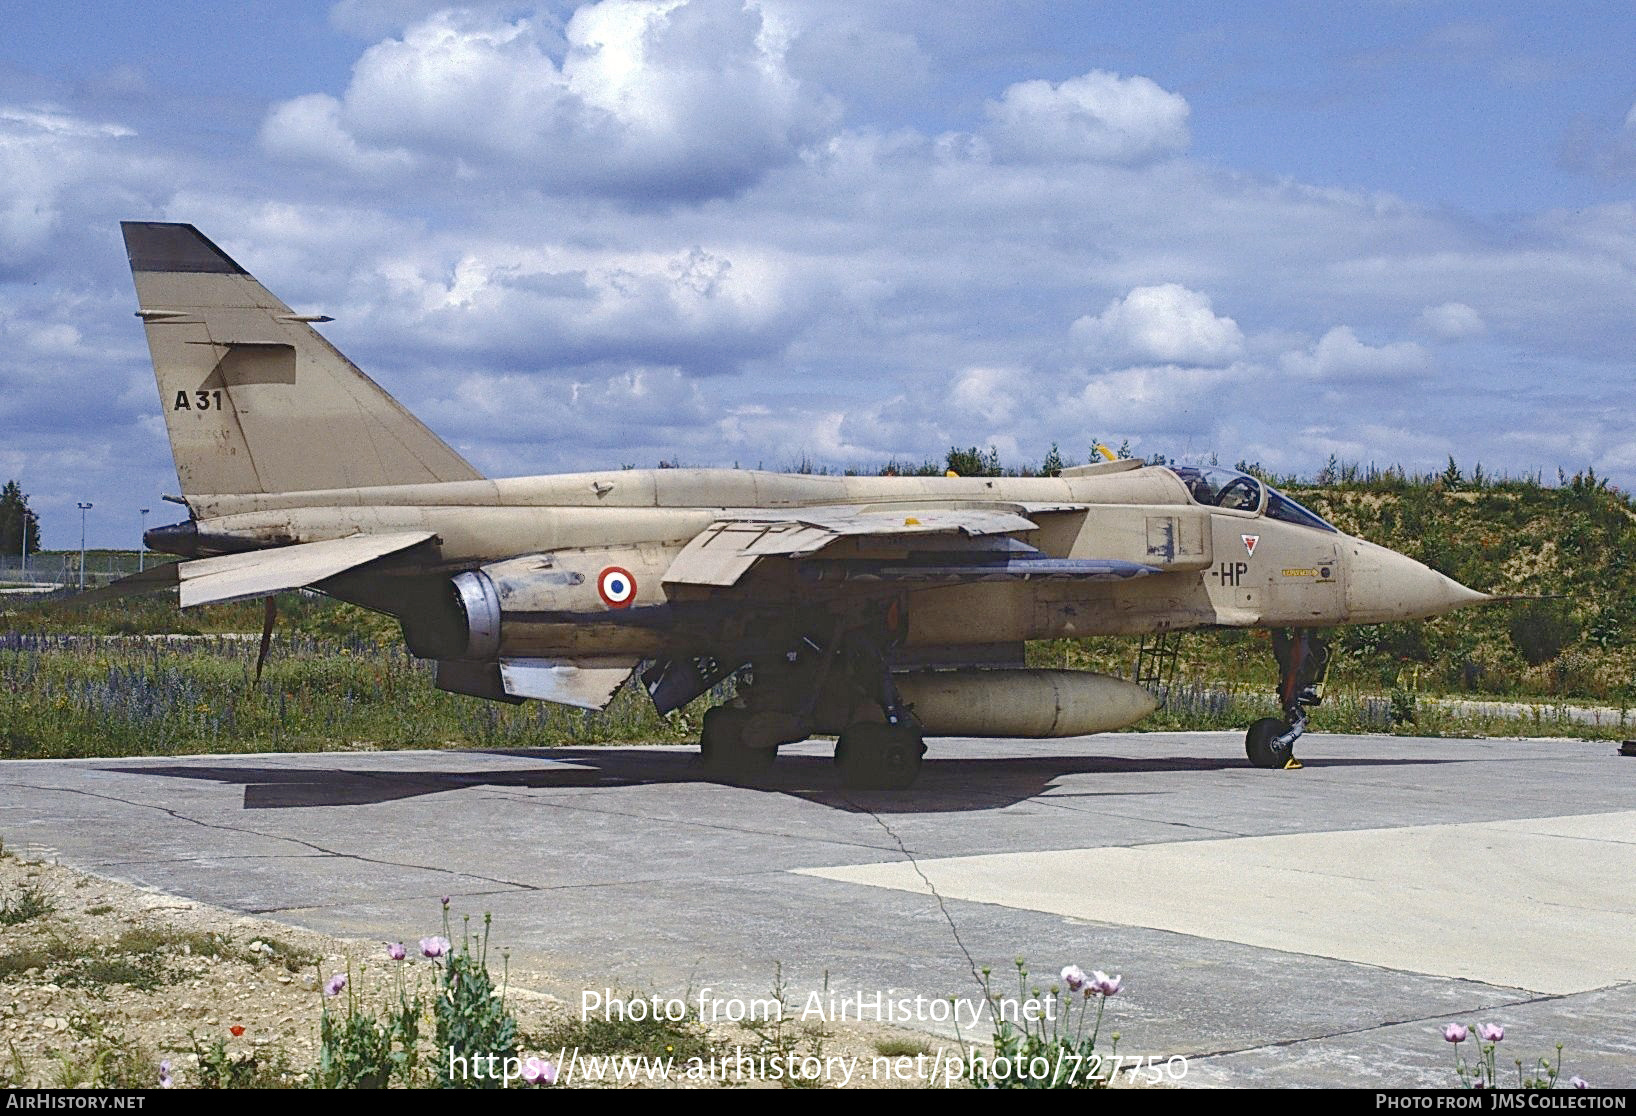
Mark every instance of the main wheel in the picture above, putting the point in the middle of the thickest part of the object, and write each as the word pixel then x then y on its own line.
pixel 879 757
pixel 722 748
pixel 1260 743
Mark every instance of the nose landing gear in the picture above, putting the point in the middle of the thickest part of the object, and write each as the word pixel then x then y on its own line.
pixel 1303 659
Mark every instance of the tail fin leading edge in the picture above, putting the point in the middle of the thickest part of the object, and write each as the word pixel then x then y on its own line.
pixel 254 399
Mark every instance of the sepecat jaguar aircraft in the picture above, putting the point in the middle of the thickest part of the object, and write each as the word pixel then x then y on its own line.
pixel 882 610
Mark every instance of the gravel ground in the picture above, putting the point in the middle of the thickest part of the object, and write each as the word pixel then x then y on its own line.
pixel 101 982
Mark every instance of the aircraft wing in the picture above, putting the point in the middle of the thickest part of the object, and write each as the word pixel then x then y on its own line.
pixel 257 573
pixel 934 545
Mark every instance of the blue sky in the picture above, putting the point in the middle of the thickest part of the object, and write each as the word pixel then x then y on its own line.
pixel 578 236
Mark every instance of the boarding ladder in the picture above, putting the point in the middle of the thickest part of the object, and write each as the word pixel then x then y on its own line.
pixel 1156 663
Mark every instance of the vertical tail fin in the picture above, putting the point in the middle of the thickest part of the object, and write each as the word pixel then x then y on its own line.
pixel 254 399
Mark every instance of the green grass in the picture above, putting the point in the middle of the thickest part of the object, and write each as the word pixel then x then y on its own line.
pixel 52 952
pixel 156 940
pixel 142 971
pixel 112 1062
pixel 69 963
pixel 656 1038
pixel 1220 684
pixel 27 904
pixel 142 958
pixel 70 696
pixel 74 696
pixel 295 959
pixel 901 1048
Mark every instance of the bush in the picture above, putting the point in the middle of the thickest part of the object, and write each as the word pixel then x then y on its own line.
pixel 475 1031
pixel 361 1051
pixel 1540 631
pixel 1049 1050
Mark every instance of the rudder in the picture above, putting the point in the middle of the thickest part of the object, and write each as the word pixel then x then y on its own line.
pixel 255 400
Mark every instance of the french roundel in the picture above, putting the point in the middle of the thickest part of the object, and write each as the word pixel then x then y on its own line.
pixel 616 587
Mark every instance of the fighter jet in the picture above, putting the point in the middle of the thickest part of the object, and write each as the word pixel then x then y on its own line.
pixel 881 610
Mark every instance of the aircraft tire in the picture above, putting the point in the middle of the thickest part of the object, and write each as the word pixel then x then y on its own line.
pixel 1260 747
pixel 722 748
pixel 879 757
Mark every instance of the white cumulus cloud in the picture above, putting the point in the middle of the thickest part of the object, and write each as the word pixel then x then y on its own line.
pixel 1167 323
pixel 1096 117
pixel 989 393
pixel 1340 356
pixel 309 128
pixel 46 155
pixel 1452 321
pixel 679 99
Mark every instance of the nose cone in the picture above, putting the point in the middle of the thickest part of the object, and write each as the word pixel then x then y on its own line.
pixel 1383 585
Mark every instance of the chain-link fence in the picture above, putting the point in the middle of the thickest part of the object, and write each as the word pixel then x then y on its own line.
pixel 62 567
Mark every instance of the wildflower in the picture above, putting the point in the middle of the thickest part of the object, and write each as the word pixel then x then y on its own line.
pixel 1103 983
pixel 164 1075
pixel 1455 1032
pixel 235 1030
pixel 445 900
pixel 1490 1032
pixel 334 985
pixel 1074 977
pixel 536 1072
pixel 1578 1082
pixel 395 951
pixel 434 947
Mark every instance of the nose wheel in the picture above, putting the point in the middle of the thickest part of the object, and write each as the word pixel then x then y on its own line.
pixel 1270 743
pixel 1303 660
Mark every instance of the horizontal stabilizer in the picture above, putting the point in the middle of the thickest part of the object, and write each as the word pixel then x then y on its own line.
pixel 235 577
pixel 154 579
pixel 585 683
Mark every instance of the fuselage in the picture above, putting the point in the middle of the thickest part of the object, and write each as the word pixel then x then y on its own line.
pixel 1236 566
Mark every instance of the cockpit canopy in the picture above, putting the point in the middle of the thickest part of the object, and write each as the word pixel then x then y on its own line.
pixel 1216 487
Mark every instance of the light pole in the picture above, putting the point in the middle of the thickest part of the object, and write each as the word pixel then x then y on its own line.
pixel 25 544
pixel 142 553
pixel 84 507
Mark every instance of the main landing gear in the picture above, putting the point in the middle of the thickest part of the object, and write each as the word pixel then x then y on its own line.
pixel 723 746
pixel 1303 659
pixel 843 684
pixel 879 757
